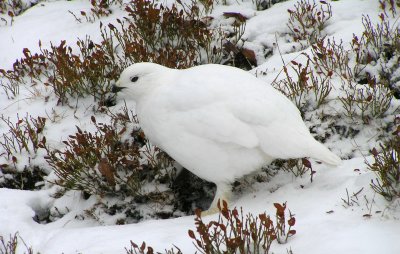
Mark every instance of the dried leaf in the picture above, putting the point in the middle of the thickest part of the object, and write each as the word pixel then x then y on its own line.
pixel 191 234
pixel 143 246
pixel 306 163
pixel 250 56
pixel 238 16
pixel 291 221
pixel 106 170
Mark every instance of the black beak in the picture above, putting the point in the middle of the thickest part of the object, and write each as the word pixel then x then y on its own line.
pixel 116 89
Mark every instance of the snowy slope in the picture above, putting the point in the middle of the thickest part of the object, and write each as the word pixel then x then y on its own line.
pixel 326 223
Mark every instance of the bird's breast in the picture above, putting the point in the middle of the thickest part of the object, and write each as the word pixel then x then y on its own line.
pixel 153 119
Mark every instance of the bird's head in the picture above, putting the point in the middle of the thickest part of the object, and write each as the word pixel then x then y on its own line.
pixel 139 80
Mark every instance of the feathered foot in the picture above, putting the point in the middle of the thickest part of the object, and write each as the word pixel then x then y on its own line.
pixel 224 193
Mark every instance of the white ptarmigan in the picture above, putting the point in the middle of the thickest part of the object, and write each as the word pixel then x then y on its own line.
pixel 219 122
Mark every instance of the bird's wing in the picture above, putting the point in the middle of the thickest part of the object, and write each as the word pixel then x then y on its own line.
pixel 231 106
pixel 215 123
pixel 274 125
pixel 278 126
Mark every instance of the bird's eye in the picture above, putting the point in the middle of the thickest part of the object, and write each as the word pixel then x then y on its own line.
pixel 134 79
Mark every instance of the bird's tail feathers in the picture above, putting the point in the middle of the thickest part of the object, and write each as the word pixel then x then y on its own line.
pixel 320 152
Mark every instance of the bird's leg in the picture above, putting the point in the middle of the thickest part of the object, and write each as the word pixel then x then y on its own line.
pixel 223 193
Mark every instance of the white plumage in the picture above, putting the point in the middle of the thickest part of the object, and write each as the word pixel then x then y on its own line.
pixel 219 122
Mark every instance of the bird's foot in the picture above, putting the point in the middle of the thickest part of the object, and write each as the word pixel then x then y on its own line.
pixel 216 207
pixel 210 211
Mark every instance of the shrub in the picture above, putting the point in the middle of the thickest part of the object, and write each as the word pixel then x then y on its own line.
pixel 88 73
pixel 135 249
pixel 365 101
pixel 392 5
pixel 170 36
pixel 306 90
pixel 329 57
pixel 100 8
pixel 298 167
pixel 307 21
pixel 15 7
pixel 24 139
pixel 234 232
pixel 386 166
pixel 367 71
pixel 377 52
pixel 10 246
pixel 25 70
pixel 30 178
pixel 26 135
pixel 69 75
pixel 174 36
pixel 103 162
pixel 379 49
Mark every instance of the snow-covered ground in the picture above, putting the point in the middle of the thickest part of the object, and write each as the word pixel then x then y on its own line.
pixel 336 213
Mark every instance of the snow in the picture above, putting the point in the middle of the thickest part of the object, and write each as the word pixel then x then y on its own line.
pixel 324 222
pixel 344 230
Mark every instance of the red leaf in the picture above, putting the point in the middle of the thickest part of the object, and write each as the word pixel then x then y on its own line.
pixel 191 234
pixel 143 246
pixel 197 212
pixel 291 221
pixel 278 206
pixel 306 163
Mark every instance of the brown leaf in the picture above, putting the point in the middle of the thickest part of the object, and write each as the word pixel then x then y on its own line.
pixel 134 245
pixel 291 221
pixel 197 212
pixel 106 170
pixel 225 204
pixel 238 16
pixel 280 209
pixel 191 234
pixel 230 47
pixel 250 56
pixel 306 163
pixel 143 246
